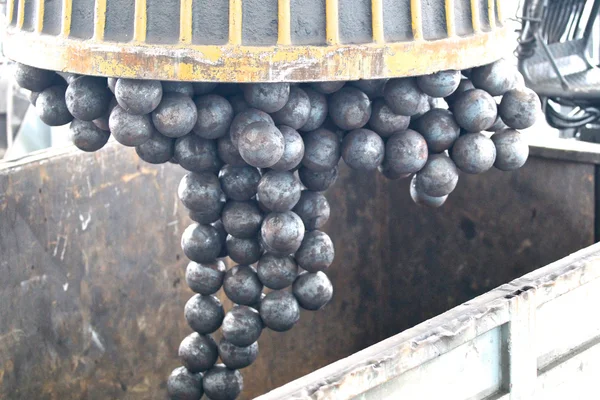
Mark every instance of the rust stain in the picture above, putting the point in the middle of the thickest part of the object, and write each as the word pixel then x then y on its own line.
pixel 143 171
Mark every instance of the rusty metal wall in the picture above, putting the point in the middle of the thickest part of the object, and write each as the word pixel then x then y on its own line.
pixel 92 288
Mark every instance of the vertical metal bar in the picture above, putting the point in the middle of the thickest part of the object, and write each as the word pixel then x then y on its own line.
pixel 39 17
pixel 377 15
pixel 284 23
pixel 140 23
pixel 99 19
pixel 235 21
pixel 499 11
pixel 475 16
pixel 492 14
pixel 67 6
pixel 21 14
pixel 11 10
pixel 332 21
pixel 185 21
pixel 416 19
pixel 450 18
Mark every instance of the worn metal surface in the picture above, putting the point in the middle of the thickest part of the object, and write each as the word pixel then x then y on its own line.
pixel 251 40
pixel 91 294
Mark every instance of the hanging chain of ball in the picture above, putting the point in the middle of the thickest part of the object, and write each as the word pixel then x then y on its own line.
pixel 259 157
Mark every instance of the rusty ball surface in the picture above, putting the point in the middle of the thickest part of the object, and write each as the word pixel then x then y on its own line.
pixel 243 251
pixel 198 353
pixel 241 219
pixel 473 153
pixel 229 153
pixel 157 150
pixel 268 97
pixel 279 191
pixel 512 150
pixel 313 208
pixel 245 118
pixel 363 150
pixel 197 154
pixel 384 121
pixel 496 78
pixel 175 115
pixel 312 290
pixel 200 191
pixel 261 144
pixel 475 110
pixel 222 383
pixel 51 106
pixel 439 84
pixel 519 107
pixel 239 183
pixel 349 108
pixel 242 326
pixel 242 286
pixel 464 85
pixel 87 98
pixel 318 110
pixel 205 278
pixel 34 79
pixel 322 150
pixel 293 150
pixel 280 311
pixel 439 129
pixel 327 87
pixel 423 199
pixel 185 88
pixel 404 97
pixel 235 357
pixel 215 114
pixel 373 88
pixel 201 243
pixel 318 181
pixel 438 177
pixel 406 152
pixel 316 252
pixel 282 233
pixel 204 314
pixel 86 136
pixel 276 272
pixel 296 111
pixel 138 96
pixel 130 129
pixel 184 385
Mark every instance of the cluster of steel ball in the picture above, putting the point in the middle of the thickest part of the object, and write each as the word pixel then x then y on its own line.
pixel 260 155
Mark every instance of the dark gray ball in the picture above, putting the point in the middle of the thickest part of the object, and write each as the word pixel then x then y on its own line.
pixel 86 136
pixel 239 183
pixel 316 252
pixel 475 110
pixel 112 83
pixel 403 96
pixel 282 233
pixel 215 114
pixel 244 251
pixel 277 272
pixel 245 118
pixel 280 311
pixel 138 96
pixel 384 121
pixel 185 88
pixel 197 154
pixel 318 110
pixel 156 150
pixel 51 106
pixel 439 129
pixel 349 108
pixel 424 199
pixel 439 176
pixel 312 290
pixel 235 357
pixel 279 191
pixel 242 285
pixel 268 97
pixel 129 129
pixel 242 219
pixel 261 144
pixel 33 96
pixel 238 103
pixel 229 153
pixel 473 153
pixel 313 208
pixel 322 150
pixel 318 181
pixel 201 88
pixel 519 107
pixel 363 150
pixel 327 87
pixel 200 191
pixel 198 353
pixel 34 79
pixel 242 326
pixel 440 84
pixel 406 152
pixel 511 150
pixel 296 111
pixel 293 151
pixel 373 88
pixel 204 314
pixel 102 122
pixel 184 385
pixel 463 86
pixel 222 383
pixel 496 78
pixel 201 243
pixel 87 98
pixel 175 116
pixel 391 174
pixel 498 126
pixel 218 225
pixel 206 278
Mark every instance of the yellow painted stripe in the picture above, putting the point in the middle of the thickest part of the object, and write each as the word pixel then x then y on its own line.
pixel 499 11
pixel 99 20
pixel 377 12
pixel 416 19
pixel 284 35
pixel 475 16
pixel 450 19
pixel 492 13
pixel 185 21
pixel 21 14
pixel 11 9
pixel 39 18
pixel 140 22
pixel 235 21
pixel 332 24
pixel 67 8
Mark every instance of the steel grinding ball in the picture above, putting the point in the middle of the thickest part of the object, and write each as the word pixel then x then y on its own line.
pixel 349 108
pixel 129 129
pixel 204 314
pixel 473 153
pixel 175 116
pixel 184 385
pixel 157 150
pixel 293 150
pixel 363 150
pixel 391 174
pixel 496 78
pixel 296 111
pixel 511 150
pixel 280 311
pixel 499 125
pixel 229 153
pixel 197 154
pixel 235 357
pixel 242 326
pixel 215 114
pixel 201 88
pixel 261 144
pixel 239 183
pixel 463 86
pixel 86 136
pixel 279 191
pixel 404 97
pixel 268 97
pixel 34 79
pixel 384 121
pixel 277 272
pixel 200 191
pixel 406 152
pixel 206 278
pixel 222 383
pixel 313 208
pixel 312 290
pixel 218 225
pixel 439 129
pixel 198 353
pixel 51 106
pixel 242 219
pixel 373 88
pixel 238 103
pixel 440 84
pixel 242 285
pixel 318 110
pixel 327 87
pixel 519 107
pixel 33 96
pixel 438 177
pixel 185 88
pixel 201 243
pixel 138 96
pixel 102 122
pixel 244 251
pixel 245 118
pixel 318 181
pixel 423 199
pixel 282 233
pixel 322 150
pixel 316 252
pixel 475 110
pixel 88 97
